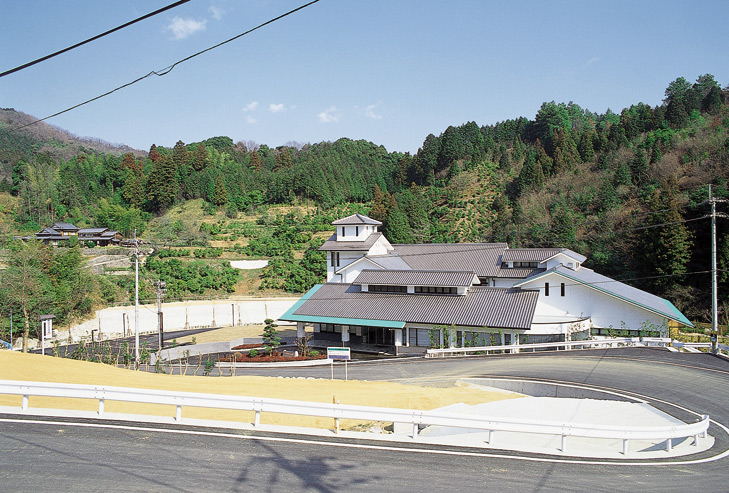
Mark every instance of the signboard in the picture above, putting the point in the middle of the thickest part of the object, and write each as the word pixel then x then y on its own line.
pixel 339 353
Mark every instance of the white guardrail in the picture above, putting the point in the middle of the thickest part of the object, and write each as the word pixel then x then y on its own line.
pixel 517 348
pixel 344 411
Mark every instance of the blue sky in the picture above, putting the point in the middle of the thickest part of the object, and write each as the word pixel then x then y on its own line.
pixel 387 71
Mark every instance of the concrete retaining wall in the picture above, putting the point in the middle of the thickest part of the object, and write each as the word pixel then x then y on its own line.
pixel 119 321
pixel 544 389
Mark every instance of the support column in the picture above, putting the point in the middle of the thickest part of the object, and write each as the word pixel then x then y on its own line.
pixel 300 330
pixel 407 336
pixel 345 335
pixel 515 336
pixel 398 337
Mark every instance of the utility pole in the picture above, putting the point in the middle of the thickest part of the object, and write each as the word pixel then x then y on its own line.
pixel 161 291
pixel 714 324
pixel 136 300
pixel 11 329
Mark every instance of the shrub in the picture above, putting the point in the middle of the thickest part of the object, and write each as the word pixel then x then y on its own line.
pixel 252 353
pixel 313 353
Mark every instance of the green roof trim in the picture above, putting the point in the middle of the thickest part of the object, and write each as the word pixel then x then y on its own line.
pixel 290 316
pixel 672 312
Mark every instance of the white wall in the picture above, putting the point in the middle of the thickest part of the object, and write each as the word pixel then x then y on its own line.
pixel 582 301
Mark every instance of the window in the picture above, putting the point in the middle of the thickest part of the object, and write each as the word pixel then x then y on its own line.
pixel 332 261
pixel 525 264
pixel 356 231
pixel 342 230
pixel 546 289
pixel 337 254
pixel 561 288
pixel 379 288
pixel 435 289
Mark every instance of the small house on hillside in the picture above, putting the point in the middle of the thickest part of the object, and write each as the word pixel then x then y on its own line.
pixel 409 297
pixel 58 233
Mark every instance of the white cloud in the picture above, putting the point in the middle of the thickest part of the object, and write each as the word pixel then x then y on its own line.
pixel 276 108
pixel 250 106
pixel 250 119
pixel 216 12
pixel 329 115
pixel 591 61
pixel 370 112
pixel 182 28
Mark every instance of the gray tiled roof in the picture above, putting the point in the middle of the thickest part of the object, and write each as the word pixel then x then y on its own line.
pixel 356 219
pixel 358 246
pixel 482 258
pixel 519 272
pixel 392 261
pixel 482 306
pixel 528 254
pixel 416 278
pixel 537 254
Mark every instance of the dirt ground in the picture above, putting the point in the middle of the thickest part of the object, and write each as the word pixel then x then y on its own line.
pixel 231 333
pixel 33 367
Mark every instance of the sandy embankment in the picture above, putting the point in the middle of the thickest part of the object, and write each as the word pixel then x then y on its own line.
pixel 32 367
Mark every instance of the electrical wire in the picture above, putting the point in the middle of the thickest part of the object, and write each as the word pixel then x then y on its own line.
pixel 163 71
pixel 147 16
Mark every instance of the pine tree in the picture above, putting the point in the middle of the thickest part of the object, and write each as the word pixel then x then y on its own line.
pixel 200 158
pixel 586 147
pixel 271 339
pixel 396 228
pixel 665 245
pixel 531 176
pixel 255 163
pixel 379 208
pixel 220 195
pixel 154 155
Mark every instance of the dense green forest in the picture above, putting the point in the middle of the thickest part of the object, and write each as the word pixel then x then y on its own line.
pixel 627 189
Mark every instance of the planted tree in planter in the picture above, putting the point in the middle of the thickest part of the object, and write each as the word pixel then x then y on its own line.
pixel 271 339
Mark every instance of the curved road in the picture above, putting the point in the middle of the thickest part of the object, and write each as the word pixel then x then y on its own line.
pixel 67 457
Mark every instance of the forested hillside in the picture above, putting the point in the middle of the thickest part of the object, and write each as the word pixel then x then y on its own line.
pixel 626 189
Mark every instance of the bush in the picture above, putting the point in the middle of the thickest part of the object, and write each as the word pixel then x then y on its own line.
pixel 252 353
pixel 90 244
pixel 313 353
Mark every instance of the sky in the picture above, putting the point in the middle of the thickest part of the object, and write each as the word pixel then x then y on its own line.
pixel 387 71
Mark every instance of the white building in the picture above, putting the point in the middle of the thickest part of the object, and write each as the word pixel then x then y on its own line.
pixel 464 294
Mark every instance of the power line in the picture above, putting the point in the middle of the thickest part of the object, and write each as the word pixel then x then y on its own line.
pixel 151 14
pixel 163 71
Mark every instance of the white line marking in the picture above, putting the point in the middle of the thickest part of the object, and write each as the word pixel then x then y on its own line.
pixel 373 447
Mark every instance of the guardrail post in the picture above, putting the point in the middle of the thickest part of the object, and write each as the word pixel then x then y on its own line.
pixel 101 406
pixel 564 443
pixel 696 440
pixel 178 414
pixel 669 445
pixel 415 430
pixel 24 405
pixel 257 418
pixel 490 440
pixel 625 446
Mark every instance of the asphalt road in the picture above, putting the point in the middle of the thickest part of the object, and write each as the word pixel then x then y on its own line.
pixel 63 457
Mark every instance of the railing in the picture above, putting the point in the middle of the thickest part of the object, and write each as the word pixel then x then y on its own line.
pixel 694 347
pixel 416 418
pixel 516 348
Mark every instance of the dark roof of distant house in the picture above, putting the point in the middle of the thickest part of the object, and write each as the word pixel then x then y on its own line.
pixel 48 233
pixel 417 278
pixel 358 246
pixel 92 231
pixel 482 306
pixel 481 258
pixel 64 226
pixel 356 219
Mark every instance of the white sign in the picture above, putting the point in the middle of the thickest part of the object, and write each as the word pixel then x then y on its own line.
pixel 339 353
